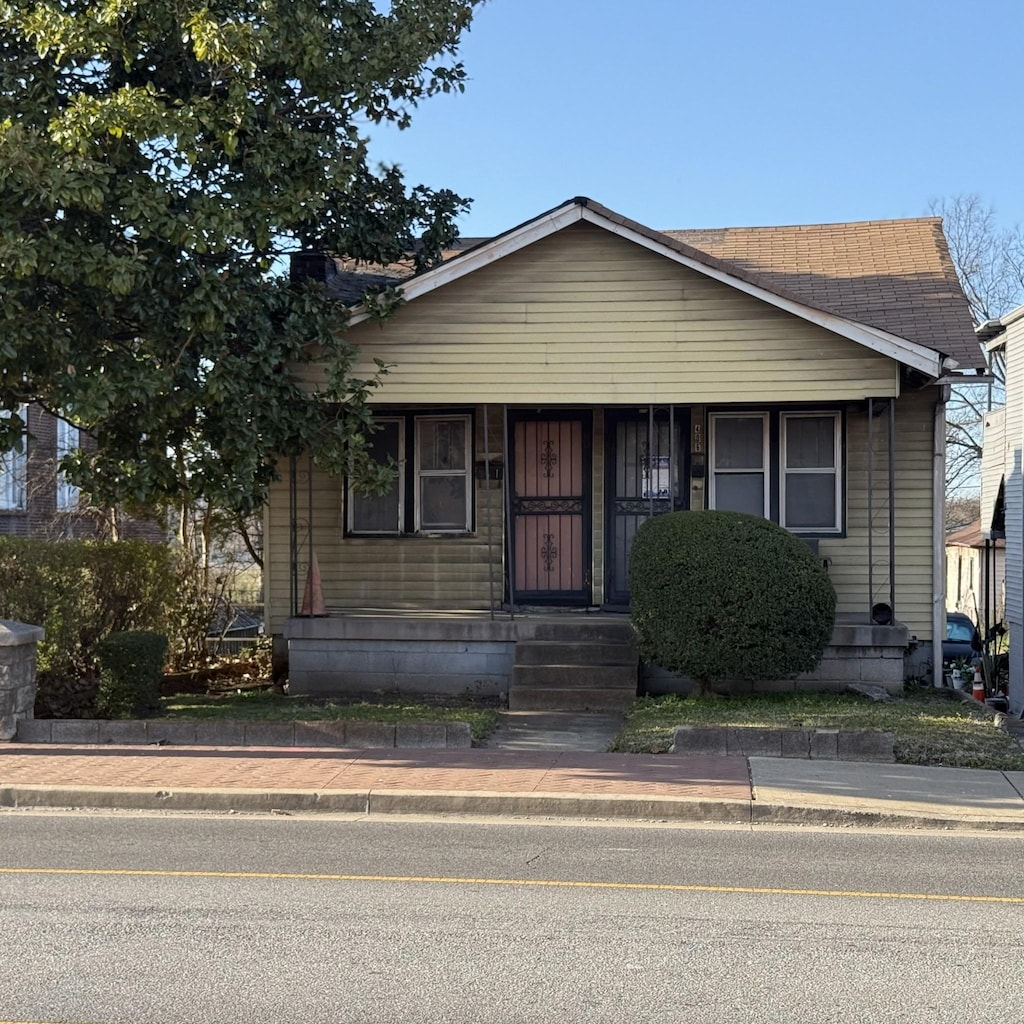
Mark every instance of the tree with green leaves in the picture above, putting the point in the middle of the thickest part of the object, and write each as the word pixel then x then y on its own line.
pixel 159 159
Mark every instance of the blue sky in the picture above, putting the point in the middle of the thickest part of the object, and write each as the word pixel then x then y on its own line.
pixel 707 113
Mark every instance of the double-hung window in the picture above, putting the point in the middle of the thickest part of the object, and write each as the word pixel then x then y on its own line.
pixel 13 469
pixel 433 494
pixel 68 442
pixel 739 463
pixel 382 513
pixel 442 474
pixel 810 482
pixel 785 466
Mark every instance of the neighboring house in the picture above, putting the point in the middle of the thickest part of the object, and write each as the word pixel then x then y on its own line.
pixel 1002 485
pixel 976 575
pixel 35 498
pixel 553 387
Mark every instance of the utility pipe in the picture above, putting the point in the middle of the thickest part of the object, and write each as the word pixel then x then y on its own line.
pixel 939 534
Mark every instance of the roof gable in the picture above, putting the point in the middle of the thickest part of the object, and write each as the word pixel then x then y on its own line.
pixel 831 295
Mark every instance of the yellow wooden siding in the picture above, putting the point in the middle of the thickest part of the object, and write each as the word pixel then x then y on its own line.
pixel 586 316
pixel 849 555
pixel 445 573
pixel 385 572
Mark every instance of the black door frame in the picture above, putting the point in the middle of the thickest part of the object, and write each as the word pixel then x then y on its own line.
pixel 557 598
pixel 617 598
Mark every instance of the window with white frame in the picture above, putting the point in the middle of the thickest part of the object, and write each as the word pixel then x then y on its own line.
pixel 739 463
pixel 382 513
pixel 440 481
pixel 68 441
pixel 13 469
pixel 442 474
pixel 810 495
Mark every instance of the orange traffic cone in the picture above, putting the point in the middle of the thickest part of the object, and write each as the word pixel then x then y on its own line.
pixel 978 689
pixel 313 598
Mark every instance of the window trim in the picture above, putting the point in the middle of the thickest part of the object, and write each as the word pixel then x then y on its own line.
pixel 69 439
pixel 353 497
pixel 409 476
pixel 14 471
pixel 836 470
pixel 466 472
pixel 766 464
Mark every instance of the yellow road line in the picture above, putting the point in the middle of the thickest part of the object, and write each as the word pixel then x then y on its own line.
pixel 549 883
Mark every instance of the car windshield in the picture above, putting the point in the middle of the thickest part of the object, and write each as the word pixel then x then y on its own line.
pixel 959 631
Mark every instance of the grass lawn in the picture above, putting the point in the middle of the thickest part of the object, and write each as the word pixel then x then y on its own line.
pixel 927 727
pixel 268 705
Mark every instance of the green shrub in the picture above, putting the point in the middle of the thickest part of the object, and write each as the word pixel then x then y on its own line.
pixel 720 596
pixel 131 666
pixel 80 592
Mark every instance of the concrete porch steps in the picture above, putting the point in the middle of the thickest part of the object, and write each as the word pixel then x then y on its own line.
pixel 597 671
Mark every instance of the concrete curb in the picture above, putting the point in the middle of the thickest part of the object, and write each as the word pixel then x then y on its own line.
pixel 782 814
pixel 480 803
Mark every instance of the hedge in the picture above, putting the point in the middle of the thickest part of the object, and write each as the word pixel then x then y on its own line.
pixel 81 591
pixel 721 596
pixel 130 666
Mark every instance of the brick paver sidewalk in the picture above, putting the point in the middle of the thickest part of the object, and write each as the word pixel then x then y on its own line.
pixel 463 771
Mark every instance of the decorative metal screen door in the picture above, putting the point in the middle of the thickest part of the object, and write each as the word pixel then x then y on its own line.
pixel 550 511
pixel 640 483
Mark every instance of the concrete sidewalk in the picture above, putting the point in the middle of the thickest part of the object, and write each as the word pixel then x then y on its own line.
pixel 671 787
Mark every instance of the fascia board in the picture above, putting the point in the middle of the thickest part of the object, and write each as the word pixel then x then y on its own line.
pixel 490 252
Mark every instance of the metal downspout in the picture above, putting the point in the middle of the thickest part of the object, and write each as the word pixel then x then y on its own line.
pixel 892 508
pixel 871 506
pixel 939 535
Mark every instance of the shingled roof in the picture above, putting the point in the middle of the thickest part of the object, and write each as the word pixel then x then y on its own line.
pixel 893 275
pixel 896 275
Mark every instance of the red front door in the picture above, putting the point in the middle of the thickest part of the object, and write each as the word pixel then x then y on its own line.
pixel 551 511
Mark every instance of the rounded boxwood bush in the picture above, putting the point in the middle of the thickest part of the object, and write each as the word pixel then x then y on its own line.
pixel 131 667
pixel 722 596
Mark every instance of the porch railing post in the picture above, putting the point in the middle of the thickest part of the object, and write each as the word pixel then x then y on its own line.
pixel 293 542
pixel 510 547
pixel 488 510
pixel 650 459
pixel 892 508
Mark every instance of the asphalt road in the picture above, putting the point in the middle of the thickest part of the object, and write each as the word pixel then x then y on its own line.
pixel 207 920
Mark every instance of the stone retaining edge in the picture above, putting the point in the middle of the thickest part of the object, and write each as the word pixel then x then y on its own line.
pixel 350 735
pixel 814 744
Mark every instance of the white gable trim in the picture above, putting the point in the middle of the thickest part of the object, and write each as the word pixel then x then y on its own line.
pixel 909 353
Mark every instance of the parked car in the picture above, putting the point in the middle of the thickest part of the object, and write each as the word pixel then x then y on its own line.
pixel 962 638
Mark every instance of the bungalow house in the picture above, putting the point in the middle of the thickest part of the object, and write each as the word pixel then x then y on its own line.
pixel 1002 485
pixel 553 387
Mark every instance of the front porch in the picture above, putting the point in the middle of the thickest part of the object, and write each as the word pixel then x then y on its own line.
pixel 572 660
